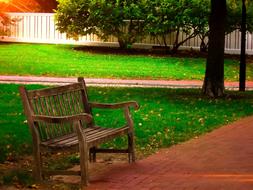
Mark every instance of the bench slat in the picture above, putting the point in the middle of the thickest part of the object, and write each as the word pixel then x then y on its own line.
pixel 54 90
pixel 94 136
pixel 116 133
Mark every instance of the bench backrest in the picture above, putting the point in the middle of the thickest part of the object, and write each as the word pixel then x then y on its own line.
pixel 55 101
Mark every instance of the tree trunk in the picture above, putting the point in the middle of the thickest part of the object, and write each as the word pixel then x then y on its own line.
pixel 242 77
pixel 175 45
pixel 214 77
pixel 122 44
pixel 203 46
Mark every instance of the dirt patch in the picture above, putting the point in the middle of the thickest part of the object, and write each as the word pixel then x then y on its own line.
pixel 18 175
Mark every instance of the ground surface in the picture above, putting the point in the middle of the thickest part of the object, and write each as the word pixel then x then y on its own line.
pixel 220 160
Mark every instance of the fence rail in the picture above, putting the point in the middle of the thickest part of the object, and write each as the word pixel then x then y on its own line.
pixel 40 28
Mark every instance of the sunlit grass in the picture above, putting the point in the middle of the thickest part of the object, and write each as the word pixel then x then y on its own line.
pixel 67 61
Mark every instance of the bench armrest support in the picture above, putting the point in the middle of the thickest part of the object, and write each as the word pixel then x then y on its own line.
pixel 63 119
pixel 115 105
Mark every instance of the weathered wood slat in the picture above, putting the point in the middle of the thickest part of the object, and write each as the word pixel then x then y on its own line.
pixel 37 111
pixel 69 140
pixel 74 102
pixel 100 150
pixel 54 90
pixel 45 112
pixel 100 134
pixel 62 104
pixel 65 111
pixel 93 136
pixel 94 142
pixel 48 106
pixel 58 140
pixel 79 101
pixel 57 112
pixel 115 105
pixel 53 105
pixel 62 138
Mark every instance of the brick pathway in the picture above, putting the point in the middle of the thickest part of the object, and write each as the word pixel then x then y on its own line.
pixel 117 82
pixel 220 160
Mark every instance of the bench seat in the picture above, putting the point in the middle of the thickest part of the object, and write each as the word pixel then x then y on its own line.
pixel 94 136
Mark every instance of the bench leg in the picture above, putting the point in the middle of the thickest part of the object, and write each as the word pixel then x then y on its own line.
pixel 93 155
pixel 37 163
pixel 84 159
pixel 131 152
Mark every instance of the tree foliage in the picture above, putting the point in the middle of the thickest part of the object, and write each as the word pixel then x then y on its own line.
pixel 159 22
pixel 124 19
pixel 121 19
pixel 5 23
pixel 4 20
pixel 73 17
pixel 234 21
pixel 130 20
pixel 187 16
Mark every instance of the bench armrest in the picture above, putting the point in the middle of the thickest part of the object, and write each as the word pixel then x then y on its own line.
pixel 63 119
pixel 115 105
pixel 124 105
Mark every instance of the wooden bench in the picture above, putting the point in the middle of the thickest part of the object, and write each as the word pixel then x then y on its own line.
pixel 60 118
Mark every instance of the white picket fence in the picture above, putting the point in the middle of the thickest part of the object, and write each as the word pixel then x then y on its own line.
pixel 40 28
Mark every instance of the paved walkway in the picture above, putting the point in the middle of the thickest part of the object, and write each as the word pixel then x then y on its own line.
pixel 117 82
pixel 220 160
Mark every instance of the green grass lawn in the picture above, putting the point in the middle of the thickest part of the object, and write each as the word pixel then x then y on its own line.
pixel 166 116
pixel 67 61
